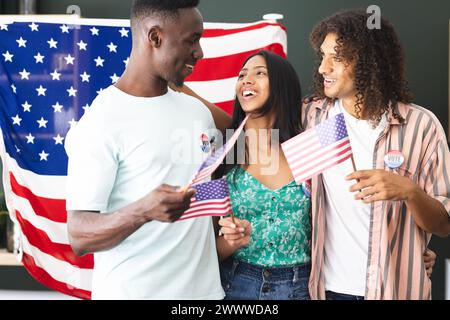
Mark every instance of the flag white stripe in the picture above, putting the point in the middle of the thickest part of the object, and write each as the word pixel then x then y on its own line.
pixel 243 41
pixel 66 19
pixel 298 139
pixel 59 270
pixel 53 187
pixel 56 231
pixel 210 204
pixel 215 90
pixel 216 213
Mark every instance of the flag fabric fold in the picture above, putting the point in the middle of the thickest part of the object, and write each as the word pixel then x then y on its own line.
pixel 50 72
pixel 318 149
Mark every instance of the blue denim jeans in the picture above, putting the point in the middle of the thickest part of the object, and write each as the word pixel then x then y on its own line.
pixel 330 295
pixel 244 281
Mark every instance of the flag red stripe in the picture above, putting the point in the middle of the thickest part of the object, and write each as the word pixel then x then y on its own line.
pixel 227 106
pixel 317 164
pixel 207 209
pixel 52 209
pixel 63 252
pixel 43 277
pixel 203 215
pixel 201 203
pixel 210 33
pixel 225 67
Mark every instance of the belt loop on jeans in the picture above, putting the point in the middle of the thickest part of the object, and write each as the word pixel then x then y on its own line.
pixel 295 275
pixel 233 268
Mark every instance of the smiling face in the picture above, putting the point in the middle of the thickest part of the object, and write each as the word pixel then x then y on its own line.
pixel 252 87
pixel 180 46
pixel 338 75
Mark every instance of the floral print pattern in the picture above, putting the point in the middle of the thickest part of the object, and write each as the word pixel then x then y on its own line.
pixel 280 219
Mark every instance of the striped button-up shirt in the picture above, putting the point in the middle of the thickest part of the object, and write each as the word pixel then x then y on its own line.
pixel 395 265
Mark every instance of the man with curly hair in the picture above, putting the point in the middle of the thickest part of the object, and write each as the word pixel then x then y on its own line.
pixel 372 226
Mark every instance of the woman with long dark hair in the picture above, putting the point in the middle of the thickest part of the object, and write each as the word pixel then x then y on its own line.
pixel 265 253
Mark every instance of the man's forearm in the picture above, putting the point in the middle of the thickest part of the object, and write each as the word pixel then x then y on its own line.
pixel 92 232
pixel 429 213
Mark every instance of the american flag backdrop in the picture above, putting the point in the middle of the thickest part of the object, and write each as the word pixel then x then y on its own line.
pixel 50 73
pixel 317 149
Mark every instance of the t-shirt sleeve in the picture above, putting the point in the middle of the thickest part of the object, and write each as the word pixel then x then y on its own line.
pixel 92 168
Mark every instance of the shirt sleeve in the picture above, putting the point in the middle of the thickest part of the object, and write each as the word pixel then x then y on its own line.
pixel 437 169
pixel 92 168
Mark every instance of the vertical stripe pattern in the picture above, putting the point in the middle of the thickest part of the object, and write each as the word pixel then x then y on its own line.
pixel 395 266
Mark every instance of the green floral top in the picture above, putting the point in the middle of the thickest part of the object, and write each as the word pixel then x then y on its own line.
pixel 280 219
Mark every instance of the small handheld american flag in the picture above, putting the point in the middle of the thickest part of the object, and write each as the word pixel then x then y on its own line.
pixel 317 149
pixel 211 199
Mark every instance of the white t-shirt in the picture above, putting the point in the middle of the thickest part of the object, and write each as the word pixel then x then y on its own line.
pixel 123 148
pixel 347 219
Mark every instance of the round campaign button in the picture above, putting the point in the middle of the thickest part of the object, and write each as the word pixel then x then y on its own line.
pixel 204 143
pixel 394 159
pixel 306 187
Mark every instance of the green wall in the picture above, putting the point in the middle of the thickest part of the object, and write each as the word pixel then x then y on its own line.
pixel 422 26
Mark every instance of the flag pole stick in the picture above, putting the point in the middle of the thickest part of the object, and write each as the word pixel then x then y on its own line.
pixel 354 169
pixel 353 164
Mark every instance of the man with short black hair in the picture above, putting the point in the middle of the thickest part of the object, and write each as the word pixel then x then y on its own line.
pixel 121 194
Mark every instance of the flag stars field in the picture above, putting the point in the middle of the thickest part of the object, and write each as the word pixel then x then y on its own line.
pixel 30 138
pixel 58 139
pixel 16 120
pixel 42 122
pixel 24 75
pixel 124 32
pixel 82 45
pixel 85 77
pixel 94 31
pixel 26 107
pixel 52 43
pixel 41 91
pixel 64 29
pixel 99 61
pixel 57 107
pixel 34 27
pixel 8 56
pixel 39 58
pixel 69 59
pixel 55 75
pixel 21 42
pixel 43 156
pixel 112 47
pixel 72 92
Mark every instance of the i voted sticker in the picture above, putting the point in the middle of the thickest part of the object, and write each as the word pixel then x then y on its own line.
pixel 306 187
pixel 394 159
